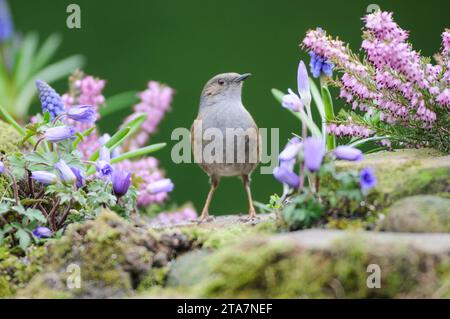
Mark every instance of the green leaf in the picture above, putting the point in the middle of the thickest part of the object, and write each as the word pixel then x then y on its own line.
pixel 365 140
pixel 139 152
pixel 317 98
pixel 25 59
pixel 119 102
pixel 46 51
pixel 49 74
pixel 330 139
pixel 34 214
pixel 113 142
pixel 23 237
pixel 278 95
pixel 312 127
pixel 82 135
pixel 10 120
pixel 136 122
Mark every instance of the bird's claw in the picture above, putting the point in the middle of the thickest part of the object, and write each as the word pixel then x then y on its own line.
pixel 251 218
pixel 205 219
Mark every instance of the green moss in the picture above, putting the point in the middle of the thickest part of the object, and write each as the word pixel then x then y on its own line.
pixel 217 237
pixel 113 254
pixel 276 269
pixel 15 272
pixel 9 141
pixel 405 172
pixel 417 214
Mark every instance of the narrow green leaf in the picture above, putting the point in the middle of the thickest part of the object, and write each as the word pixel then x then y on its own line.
pixel 365 140
pixel 46 52
pixel 317 98
pixel 113 142
pixel 278 95
pixel 10 120
pixel 83 134
pixel 119 102
pixel 25 61
pixel 329 116
pixel 136 122
pixel 140 152
pixel 49 74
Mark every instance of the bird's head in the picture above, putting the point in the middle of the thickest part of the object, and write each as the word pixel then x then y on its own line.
pixel 224 86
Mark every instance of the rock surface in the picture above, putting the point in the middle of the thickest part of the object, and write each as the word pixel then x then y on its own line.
pixel 406 172
pixel 319 264
pixel 418 214
pixel 111 255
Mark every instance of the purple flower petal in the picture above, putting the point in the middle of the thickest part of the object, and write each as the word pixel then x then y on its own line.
pixel 303 84
pixel 121 181
pixel 348 153
pixel 314 151
pixel 42 232
pixel 286 176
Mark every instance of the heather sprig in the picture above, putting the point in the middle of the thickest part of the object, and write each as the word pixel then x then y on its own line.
pixel 407 94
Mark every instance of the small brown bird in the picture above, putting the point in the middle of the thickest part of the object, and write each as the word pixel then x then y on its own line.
pixel 224 137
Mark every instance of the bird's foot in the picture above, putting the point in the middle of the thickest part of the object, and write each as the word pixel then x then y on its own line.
pixel 250 218
pixel 205 218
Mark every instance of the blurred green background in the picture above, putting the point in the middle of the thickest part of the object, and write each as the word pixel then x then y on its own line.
pixel 184 43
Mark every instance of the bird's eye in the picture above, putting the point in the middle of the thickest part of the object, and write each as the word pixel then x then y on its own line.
pixel 221 82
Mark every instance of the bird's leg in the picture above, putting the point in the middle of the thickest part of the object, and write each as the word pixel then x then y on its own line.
pixel 205 215
pixel 251 211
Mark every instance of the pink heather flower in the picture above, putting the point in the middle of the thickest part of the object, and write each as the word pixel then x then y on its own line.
pixel 145 172
pixel 174 217
pixel 349 130
pixel 333 50
pixel 446 42
pixel 85 90
pixel 444 97
pixel 155 101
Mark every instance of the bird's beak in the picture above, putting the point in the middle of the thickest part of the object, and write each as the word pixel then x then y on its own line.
pixel 242 77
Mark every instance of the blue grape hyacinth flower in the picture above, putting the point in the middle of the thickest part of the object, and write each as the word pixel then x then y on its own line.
pixel 6 22
pixel 50 100
pixel 320 65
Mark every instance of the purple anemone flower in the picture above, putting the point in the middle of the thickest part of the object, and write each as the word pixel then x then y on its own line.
pixel 314 151
pixel 82 113
pixel 291 149
pixel 286 176
pixel 161 186
pixel 67 175
pixel 42 232
pixel 44 177
pixel 367 179
pixel 348 153
pixel 59 133
pixel 79 175
pixel 103 164
pixel 2 167
pixel 121 181
pixel 292 101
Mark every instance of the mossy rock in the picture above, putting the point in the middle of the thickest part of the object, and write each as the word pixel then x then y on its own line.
pixel 418 214
pixel 16 271
pixel 320 264
pixel 111 256
pixel 9 143
pixel 406 172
